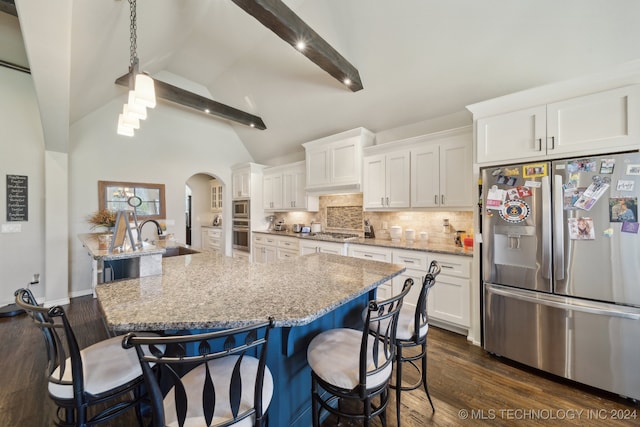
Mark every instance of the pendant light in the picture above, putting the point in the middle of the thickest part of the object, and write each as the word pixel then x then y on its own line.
pixel 141 86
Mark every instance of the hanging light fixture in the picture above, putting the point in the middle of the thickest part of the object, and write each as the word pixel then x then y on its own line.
pixel 141 87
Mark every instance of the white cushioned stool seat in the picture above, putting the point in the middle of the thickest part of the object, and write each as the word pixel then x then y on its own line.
pixel 106 365
pixel 220 371
pixel 333 356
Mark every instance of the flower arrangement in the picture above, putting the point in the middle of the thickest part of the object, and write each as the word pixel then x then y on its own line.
pixel 102 218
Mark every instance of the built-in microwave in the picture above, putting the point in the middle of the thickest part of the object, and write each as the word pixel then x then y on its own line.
pixel 241 208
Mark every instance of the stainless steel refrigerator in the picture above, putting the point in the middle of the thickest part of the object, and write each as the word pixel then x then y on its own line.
pixel 561 268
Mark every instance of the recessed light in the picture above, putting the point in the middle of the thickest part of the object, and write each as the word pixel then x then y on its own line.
pixel 207 110
pixel 301 45
pixel 347 81
pixel 252 125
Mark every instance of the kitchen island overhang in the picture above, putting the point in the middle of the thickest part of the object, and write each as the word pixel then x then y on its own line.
pixel 206 291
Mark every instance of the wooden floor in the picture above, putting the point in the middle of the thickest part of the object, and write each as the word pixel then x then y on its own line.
pixel 468 386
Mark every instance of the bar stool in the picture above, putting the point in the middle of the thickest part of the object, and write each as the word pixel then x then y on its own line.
pixel 413 326
pixel 103 375
pixel 356 366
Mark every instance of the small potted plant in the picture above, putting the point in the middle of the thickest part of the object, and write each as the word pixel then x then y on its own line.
pixel 102 218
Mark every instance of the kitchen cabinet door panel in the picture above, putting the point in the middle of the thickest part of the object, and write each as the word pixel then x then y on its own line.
pixel 374 181
pixel 519 134
pixel 606 119
pixel 425 177
pixel 456 187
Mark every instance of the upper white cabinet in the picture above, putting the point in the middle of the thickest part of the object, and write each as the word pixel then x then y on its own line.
pixel 427 171
pixel 284 189
pixel 595 123
pixel 387 180
pixel 272 190
pixel 334 163
pixel 216 195
pixel 241 183
pixel 441 173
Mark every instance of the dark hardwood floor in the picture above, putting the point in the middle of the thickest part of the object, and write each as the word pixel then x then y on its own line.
pixel 468 386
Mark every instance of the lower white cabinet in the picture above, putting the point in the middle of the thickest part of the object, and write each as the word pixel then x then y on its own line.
pixel 374 253
pixel 268 248
pixel 314 246
pixel 416 263
pixel 449 299
pixel 212 239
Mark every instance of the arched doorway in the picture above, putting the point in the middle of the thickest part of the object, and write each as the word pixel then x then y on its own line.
pixel 203 207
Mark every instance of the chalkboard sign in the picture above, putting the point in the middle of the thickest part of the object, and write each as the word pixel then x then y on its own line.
pixel 17 198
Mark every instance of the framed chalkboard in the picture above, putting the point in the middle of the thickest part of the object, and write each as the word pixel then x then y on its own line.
pixel 17 198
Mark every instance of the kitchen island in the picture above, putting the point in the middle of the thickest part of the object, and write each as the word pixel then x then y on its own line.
pixel 208 291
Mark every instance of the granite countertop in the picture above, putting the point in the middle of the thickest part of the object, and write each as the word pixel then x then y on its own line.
pixel 90 241
pixel 417 245
pixel 209 290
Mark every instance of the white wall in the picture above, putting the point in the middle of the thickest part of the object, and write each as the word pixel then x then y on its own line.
pixel 171 146
pixel 21 153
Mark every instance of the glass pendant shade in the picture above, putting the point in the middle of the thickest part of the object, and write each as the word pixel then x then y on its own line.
pixel 133 110
pixel 145 92
pixel 123 128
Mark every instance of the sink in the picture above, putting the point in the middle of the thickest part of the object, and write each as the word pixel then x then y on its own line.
pixel 178 251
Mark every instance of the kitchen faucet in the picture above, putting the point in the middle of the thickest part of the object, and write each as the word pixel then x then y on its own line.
pixel 158 228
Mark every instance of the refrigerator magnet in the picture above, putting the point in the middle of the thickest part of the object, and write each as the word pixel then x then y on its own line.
pixel 534 170
pixel 581 228
pixel 512 171
pixel 608 232
pixel 633 169
pixel 495 197
pixel 629 227
pixel 607 165
pixel 623 209
pixel 514 211
pixel 625 185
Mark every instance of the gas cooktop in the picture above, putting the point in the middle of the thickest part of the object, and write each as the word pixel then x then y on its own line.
pixel 343 237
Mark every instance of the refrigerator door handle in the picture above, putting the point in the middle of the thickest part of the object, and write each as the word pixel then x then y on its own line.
pixel 546 228
pixel 562 303
pixel 558 232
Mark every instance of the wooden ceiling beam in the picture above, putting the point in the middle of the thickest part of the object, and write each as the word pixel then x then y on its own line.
pixel 189 99
pixel 8 6
pixel 276 16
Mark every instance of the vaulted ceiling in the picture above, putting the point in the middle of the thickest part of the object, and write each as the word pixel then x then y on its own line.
pixel 418 59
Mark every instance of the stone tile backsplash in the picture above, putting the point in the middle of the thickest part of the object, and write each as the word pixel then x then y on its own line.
pixel 343 213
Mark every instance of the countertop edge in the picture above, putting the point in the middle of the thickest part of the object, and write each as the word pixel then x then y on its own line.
pixel 384 243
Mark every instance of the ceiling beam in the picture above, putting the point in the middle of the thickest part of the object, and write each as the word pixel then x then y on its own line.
pixel 276 16
pixel 8 6
pixel 189 99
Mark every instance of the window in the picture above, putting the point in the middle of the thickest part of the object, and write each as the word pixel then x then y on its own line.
pixel 116 196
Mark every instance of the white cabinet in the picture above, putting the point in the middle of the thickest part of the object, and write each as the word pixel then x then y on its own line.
pixel 263 248
pixel 287 247
pixel 284 189
pixel 308 246
pixel 416 267
pixel 241 183
pixel 268 248
pixel 272 191
pixel 216 195
pixel 212 239
pixel 449 299
pixel 441 172
pixel 386 180
pixel 335 162
pixel 374 253
pixel 595 123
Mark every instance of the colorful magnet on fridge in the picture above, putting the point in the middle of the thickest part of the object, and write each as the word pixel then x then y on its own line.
pixel 534 170
pixel 630 227
pixel 608 232
pixel 514 211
